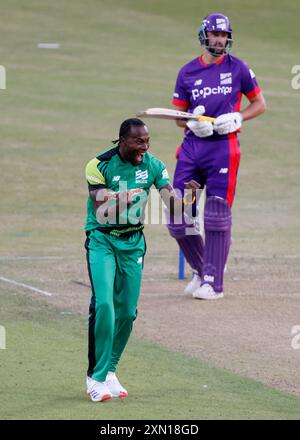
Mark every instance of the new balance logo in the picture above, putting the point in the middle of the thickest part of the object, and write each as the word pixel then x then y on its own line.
pixel 198 82
pixel 141 176
pixel 225 78
pixel 223 171
pixel 116 178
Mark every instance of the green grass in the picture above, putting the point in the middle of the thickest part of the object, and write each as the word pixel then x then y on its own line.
pixel 62 106
pixel 43 376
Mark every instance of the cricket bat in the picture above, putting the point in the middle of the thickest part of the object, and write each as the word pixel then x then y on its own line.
pixel 167 113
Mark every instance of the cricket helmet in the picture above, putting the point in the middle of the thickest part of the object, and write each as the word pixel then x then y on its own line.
pixel 215 23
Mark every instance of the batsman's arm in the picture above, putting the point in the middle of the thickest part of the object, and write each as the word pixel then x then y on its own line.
pixel 256 107
pixel 181 124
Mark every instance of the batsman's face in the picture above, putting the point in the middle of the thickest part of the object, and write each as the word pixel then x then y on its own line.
pixel 217 40
pixel 136 145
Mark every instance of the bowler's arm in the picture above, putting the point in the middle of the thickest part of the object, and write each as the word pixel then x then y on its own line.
pixel 176 204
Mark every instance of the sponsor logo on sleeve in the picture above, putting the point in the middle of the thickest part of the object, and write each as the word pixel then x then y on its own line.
pixel 93 179
pixel 165 174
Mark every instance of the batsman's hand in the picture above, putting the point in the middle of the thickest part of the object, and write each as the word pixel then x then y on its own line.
pixel 228 123
pixel 199 110
pixel 200 128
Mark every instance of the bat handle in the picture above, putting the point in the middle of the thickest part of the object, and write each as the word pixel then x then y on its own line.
pixel 206 118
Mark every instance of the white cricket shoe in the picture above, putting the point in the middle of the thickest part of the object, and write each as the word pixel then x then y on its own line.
pixel 193 285
pixel 98 391
pixel 206 291
pixel 114 386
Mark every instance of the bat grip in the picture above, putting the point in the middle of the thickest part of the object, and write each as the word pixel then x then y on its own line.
pixel 206 118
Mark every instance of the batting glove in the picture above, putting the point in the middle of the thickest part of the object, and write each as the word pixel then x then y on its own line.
pixel 228 123
pixel 199 111
pixel 200 128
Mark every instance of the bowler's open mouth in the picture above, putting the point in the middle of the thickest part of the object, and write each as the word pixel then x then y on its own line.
pixel 139 156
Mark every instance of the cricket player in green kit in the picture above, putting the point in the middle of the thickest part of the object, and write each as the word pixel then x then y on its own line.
pixel 119 181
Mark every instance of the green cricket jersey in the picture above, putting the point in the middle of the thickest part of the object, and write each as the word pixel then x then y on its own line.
pixel 109 170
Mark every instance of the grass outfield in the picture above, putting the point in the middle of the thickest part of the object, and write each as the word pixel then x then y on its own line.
pixel 62 106
pixel 43 374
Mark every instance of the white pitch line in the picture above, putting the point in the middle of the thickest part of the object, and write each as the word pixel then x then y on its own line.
pixel 48 45
pixel 26 286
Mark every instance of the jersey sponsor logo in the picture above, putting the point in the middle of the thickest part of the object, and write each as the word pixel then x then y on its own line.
pixel 225 78
pixel 93 179
pixel 209 278
pixel 223 171
pixel 141 176
pixel 165 174
pixel 198 82
pixel 116 178
pixel 207 91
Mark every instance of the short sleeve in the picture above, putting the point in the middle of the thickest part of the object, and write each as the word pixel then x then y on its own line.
pixel 249 85
pixel 162 176
pixel 180 96
pixel 93 176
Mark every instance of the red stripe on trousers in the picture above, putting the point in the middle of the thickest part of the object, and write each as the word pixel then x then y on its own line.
pixel 234 160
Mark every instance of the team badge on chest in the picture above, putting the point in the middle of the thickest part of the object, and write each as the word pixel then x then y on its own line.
pixel 141 176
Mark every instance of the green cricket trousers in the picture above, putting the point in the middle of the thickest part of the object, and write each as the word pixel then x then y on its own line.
pixel 115 267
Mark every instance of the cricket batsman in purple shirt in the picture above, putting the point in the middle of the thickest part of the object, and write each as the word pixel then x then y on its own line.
pixel 212 84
